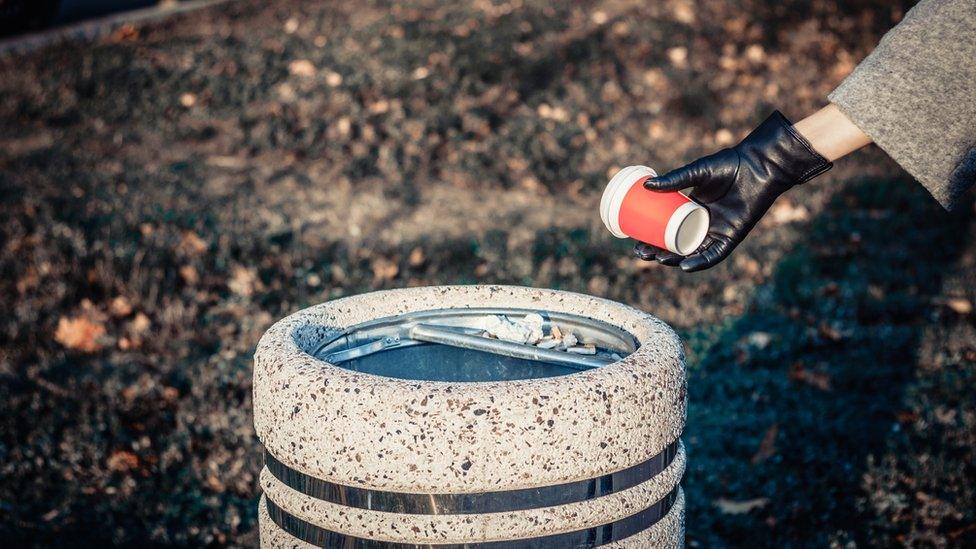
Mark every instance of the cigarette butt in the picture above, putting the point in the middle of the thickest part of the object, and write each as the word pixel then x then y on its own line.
pixel 582 350
pixel 556 332
pixel 548 344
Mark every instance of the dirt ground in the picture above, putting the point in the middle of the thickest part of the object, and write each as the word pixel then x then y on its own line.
pixel 168 192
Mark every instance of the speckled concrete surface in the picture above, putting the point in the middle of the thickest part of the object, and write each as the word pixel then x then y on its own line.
pixel 439 437
pixel 668 533
pixel 413 528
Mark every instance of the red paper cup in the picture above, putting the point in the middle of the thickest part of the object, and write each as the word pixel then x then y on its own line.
pixel 667 220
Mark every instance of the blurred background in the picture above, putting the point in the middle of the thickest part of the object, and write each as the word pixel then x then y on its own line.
pixel 170 187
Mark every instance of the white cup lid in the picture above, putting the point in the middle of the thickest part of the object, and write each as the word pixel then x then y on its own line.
pixel 613 196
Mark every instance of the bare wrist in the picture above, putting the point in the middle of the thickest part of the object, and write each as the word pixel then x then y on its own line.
pixel 832 133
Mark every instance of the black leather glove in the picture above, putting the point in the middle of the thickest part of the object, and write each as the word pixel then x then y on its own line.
pixel 737 186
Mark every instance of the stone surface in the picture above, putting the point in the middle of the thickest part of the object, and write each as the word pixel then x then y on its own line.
pixel 413 528
pixel 438 437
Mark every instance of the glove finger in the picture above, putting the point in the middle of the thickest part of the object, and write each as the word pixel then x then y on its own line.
pixel 708 257
pixel 669 258
pixel 692 174
pixel 646 251
pixel 649 252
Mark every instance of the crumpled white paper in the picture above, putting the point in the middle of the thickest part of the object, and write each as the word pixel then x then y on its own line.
pixel 529 330
pixel 525 330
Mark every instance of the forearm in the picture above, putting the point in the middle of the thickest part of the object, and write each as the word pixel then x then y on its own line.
pixel 914 96
pixel 831 133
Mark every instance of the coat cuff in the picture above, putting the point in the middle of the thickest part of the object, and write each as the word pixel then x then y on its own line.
pixel 914 96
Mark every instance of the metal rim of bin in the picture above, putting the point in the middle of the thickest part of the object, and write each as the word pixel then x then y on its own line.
pixel 461 328
pixel 469 503
pixel 588 537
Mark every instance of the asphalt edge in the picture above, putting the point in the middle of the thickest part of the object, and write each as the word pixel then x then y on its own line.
pixel 93 29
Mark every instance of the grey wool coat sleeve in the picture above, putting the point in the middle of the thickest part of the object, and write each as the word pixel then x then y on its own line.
pixel 915 96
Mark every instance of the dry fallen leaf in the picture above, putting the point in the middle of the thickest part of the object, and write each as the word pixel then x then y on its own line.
pixel 733 507
pixel 530 183
pixel 820 380
pixel 302 67
pixel 381 106
pixel 140 324
pixel 767 448
pixel 748 265
pixel 243 281
pixel 678 56
pixel 656 130
pixel 906 416
pixel 384 269
pixel 730 293
pixel 192 244
pixel 286 92
pixel 332 78
pixel 171 393
pixel 130 393
pixel 416 258
pixel 830 331
pixel 876 292
pixel 79 333
pixel 215 484
pixel 134 332
pixel 125 33
pixel 121 461
pixel 598 285
pixel 29 281
pixel 683 12
pixel 549 112
pixel 960 305
pixel 755 53
pixel 120 307
pixel 759 340
pixel 189 275
pixel 784 211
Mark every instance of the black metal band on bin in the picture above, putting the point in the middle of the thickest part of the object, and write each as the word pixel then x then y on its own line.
pixel 484 502
pixel 589 537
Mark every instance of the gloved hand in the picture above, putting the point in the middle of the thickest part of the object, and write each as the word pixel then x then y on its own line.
pixel 737 186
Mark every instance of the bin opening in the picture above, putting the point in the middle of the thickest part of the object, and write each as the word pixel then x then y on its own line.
pixel 453 345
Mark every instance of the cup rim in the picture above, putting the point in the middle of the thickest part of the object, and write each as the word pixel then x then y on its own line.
pixel 688 217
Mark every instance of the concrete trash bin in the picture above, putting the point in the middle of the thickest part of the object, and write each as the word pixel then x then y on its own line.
pixel 388 421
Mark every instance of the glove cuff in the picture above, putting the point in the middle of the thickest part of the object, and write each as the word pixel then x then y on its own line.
pixel 784 149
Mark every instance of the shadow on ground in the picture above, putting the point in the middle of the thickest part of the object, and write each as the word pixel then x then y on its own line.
pixel 788 401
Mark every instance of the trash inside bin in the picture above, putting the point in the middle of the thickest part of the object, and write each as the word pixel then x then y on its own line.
pixel 454 345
